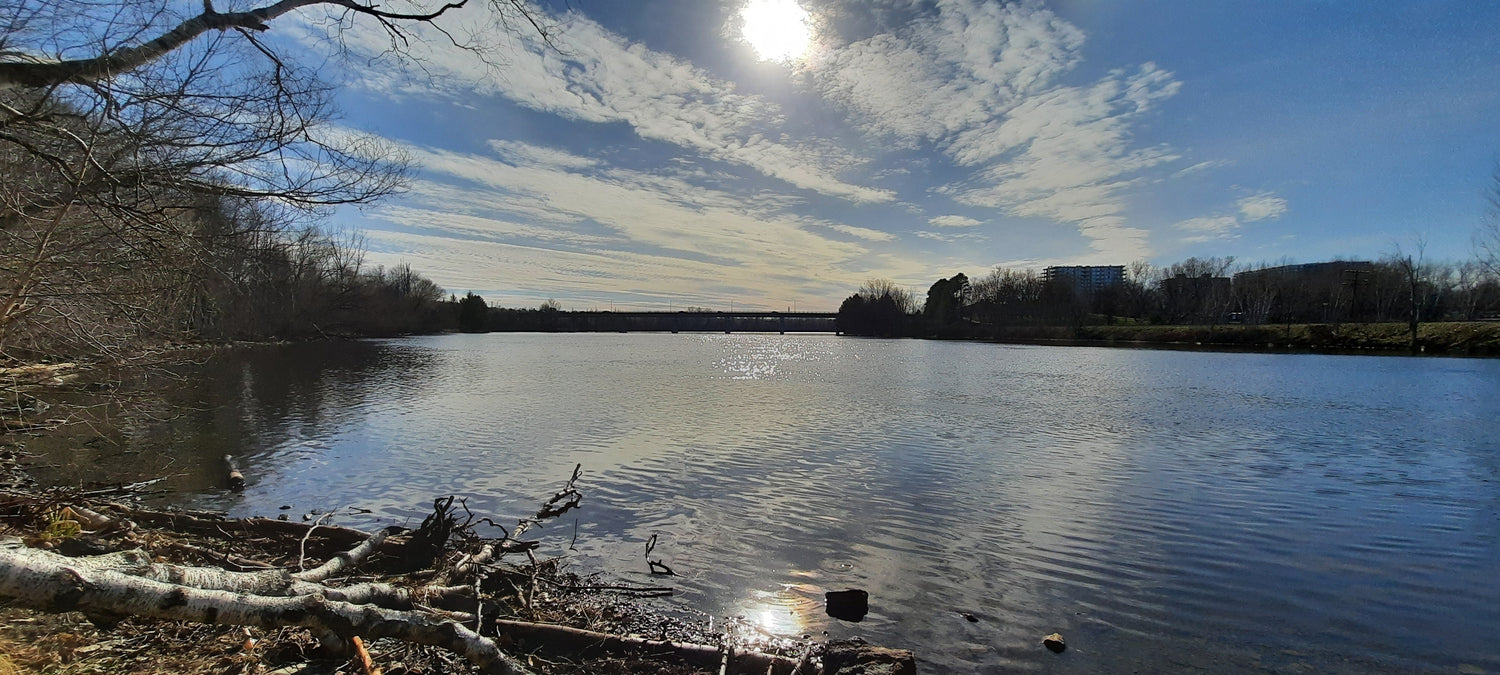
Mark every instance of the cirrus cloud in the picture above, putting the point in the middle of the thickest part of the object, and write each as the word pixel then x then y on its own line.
pixel 982 82
pixel 1263 206
pixel 953 221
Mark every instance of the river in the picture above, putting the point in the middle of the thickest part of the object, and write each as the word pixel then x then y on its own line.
pixel 1164 510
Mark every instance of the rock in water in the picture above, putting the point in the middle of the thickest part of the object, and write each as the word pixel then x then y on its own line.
pixel 1055 643
pixel 850 605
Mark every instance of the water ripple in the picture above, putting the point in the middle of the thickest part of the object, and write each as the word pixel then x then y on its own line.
pixel 1166 511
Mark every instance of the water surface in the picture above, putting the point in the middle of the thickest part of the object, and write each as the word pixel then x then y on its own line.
pixel 1165 511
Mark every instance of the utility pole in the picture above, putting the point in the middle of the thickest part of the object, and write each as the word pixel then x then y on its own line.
pixel 1353 283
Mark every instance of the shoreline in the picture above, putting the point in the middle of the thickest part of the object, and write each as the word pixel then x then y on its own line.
pixel 1456 339
pixel 580 623
pixel 221 594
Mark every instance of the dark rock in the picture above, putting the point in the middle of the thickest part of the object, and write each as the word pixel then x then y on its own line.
pixel 850 605
pixel 1055 643
pixel 971 618
pixel 859 659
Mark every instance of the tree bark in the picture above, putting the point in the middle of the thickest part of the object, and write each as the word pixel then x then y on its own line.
pixel 50 582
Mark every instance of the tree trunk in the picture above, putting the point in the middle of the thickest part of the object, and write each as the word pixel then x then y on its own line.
pixel 104 585
pixel 585 642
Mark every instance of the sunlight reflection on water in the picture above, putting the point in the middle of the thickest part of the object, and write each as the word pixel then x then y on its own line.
pixel 788 611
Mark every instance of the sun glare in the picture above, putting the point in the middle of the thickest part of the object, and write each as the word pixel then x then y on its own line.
pixel 778 30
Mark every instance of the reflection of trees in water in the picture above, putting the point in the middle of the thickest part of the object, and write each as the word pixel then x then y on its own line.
pixel 260 397
pixel 246 402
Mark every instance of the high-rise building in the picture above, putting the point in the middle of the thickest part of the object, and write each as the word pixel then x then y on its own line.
pixel 1086 279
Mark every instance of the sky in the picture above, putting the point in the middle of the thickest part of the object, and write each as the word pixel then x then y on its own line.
pixel 774 154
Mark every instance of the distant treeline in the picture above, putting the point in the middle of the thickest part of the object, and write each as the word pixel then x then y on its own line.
pixel 475 316
pixel 1195 291
pixel 219 269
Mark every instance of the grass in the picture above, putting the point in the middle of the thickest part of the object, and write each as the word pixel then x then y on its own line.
pixel 1462 338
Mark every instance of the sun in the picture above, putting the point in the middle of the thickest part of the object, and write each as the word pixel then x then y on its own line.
pixel 778 30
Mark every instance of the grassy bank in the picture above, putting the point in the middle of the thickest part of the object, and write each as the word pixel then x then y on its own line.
pixel 1454 338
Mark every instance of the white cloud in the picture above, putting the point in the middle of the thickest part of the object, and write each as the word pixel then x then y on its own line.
pixel 950 237
pixel 613 229
pixel 518 153
pixel 979 94
pixel 597 76
pixel 1263 206
pixel 1201 167
pixel 1208 228
pixel 980 80
pixel 1209 224
pixel 861 232
pixel 446 222
pixel 945 74
pixel 953 221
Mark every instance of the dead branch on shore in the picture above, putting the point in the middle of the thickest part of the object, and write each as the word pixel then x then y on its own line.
pixel 565 500
pixel 440 585
pixel 656 566
pixel 130 584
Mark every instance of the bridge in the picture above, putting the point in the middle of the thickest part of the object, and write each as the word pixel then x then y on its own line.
pixel 703 322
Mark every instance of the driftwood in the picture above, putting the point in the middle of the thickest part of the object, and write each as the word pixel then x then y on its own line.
pixel 218 526
pixel 130 583
pixel 586 642
pixel 565 500
pixel 236 479
pixel 447 602
pixel 104 585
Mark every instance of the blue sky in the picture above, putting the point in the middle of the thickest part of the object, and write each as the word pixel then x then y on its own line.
pixel 654 158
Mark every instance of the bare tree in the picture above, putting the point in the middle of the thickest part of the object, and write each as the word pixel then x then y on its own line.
pixel 1475 288
pixel 55 42
pixel 873 289
pixel 120 122
pixel 1414 272
pixel 1487 237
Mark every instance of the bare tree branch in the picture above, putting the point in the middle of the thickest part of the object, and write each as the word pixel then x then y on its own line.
pixel 30 72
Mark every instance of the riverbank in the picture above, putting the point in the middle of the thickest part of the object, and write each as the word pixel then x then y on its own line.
pixel 1449 338
pixel 193 592
pixel 92 585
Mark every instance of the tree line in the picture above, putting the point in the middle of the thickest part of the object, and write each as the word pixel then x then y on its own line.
pixel 105 253
pixel 1401 287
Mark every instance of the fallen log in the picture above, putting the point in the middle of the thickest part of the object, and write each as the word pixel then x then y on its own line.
pixel 577 641
pixel 50 582
pixel 218 526
pixel 268 582
pixel 236 479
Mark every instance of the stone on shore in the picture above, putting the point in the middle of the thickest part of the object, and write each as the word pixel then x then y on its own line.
pixel 857 659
